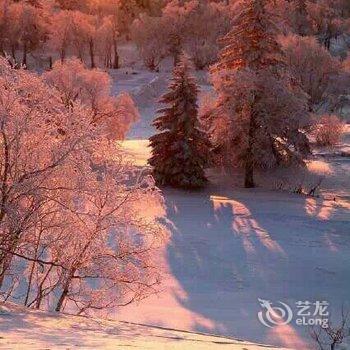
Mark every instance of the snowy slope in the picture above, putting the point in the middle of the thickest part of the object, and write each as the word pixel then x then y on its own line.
pixel 34 330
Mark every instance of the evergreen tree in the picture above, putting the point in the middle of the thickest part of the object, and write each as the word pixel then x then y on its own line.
pixel 260 109
pixel 180 149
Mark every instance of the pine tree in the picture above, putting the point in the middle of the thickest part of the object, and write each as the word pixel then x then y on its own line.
pixel 260 109
pixel 180 149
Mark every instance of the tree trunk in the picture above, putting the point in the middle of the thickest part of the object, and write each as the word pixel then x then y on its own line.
pixel 249 174
pixel 65 290
pixel 24 59
pixel 63 55
pixel 31 275
pixel 40 293
pixel 2 51
pixel 62 298
pixel 29 284
pixel 13 53
pixel 4 266
pixel 249 163
pixel 116 56
pixel 92 54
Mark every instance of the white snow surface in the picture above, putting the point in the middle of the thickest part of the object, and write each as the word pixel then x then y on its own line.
pixel 21 328
pixel 231 246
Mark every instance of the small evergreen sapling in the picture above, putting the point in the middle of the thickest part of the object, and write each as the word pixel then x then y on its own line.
pixel 180 149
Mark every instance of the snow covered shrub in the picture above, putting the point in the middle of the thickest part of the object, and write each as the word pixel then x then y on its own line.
pixel 78 223
pixel 93 88
pixel 329 130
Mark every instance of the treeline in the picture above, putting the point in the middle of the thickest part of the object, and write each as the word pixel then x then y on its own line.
pixel 92 30
pixel 89 30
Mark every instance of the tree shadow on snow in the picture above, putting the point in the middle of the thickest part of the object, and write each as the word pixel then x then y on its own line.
pixel 231 247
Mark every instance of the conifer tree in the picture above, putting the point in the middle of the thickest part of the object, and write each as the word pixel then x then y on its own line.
pixel 260 110
pixel 180 149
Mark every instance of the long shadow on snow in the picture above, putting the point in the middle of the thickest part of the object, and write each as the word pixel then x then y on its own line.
pixel 230 248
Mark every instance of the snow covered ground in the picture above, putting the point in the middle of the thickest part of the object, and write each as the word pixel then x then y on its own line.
pixel 21 328
pixel 232 246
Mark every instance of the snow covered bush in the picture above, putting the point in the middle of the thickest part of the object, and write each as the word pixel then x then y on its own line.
pixel 78 223
pixel 93 89
pixel 329 130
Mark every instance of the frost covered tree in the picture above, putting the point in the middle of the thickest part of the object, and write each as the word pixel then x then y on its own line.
pixel 27 29
pixel 78 224
pixel 59 37
pixel 260 109
pixel 317 71
pixel 93 89
pixel 328 19
pixel 148 34
pixel 193 26
pixel 180 149
pixel 300 18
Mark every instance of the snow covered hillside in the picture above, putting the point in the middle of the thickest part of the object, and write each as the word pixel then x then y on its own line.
pixel 34 330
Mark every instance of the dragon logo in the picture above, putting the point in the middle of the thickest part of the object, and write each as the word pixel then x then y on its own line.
pixel 272 316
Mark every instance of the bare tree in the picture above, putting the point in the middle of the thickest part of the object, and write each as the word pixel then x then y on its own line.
pixel 331 336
